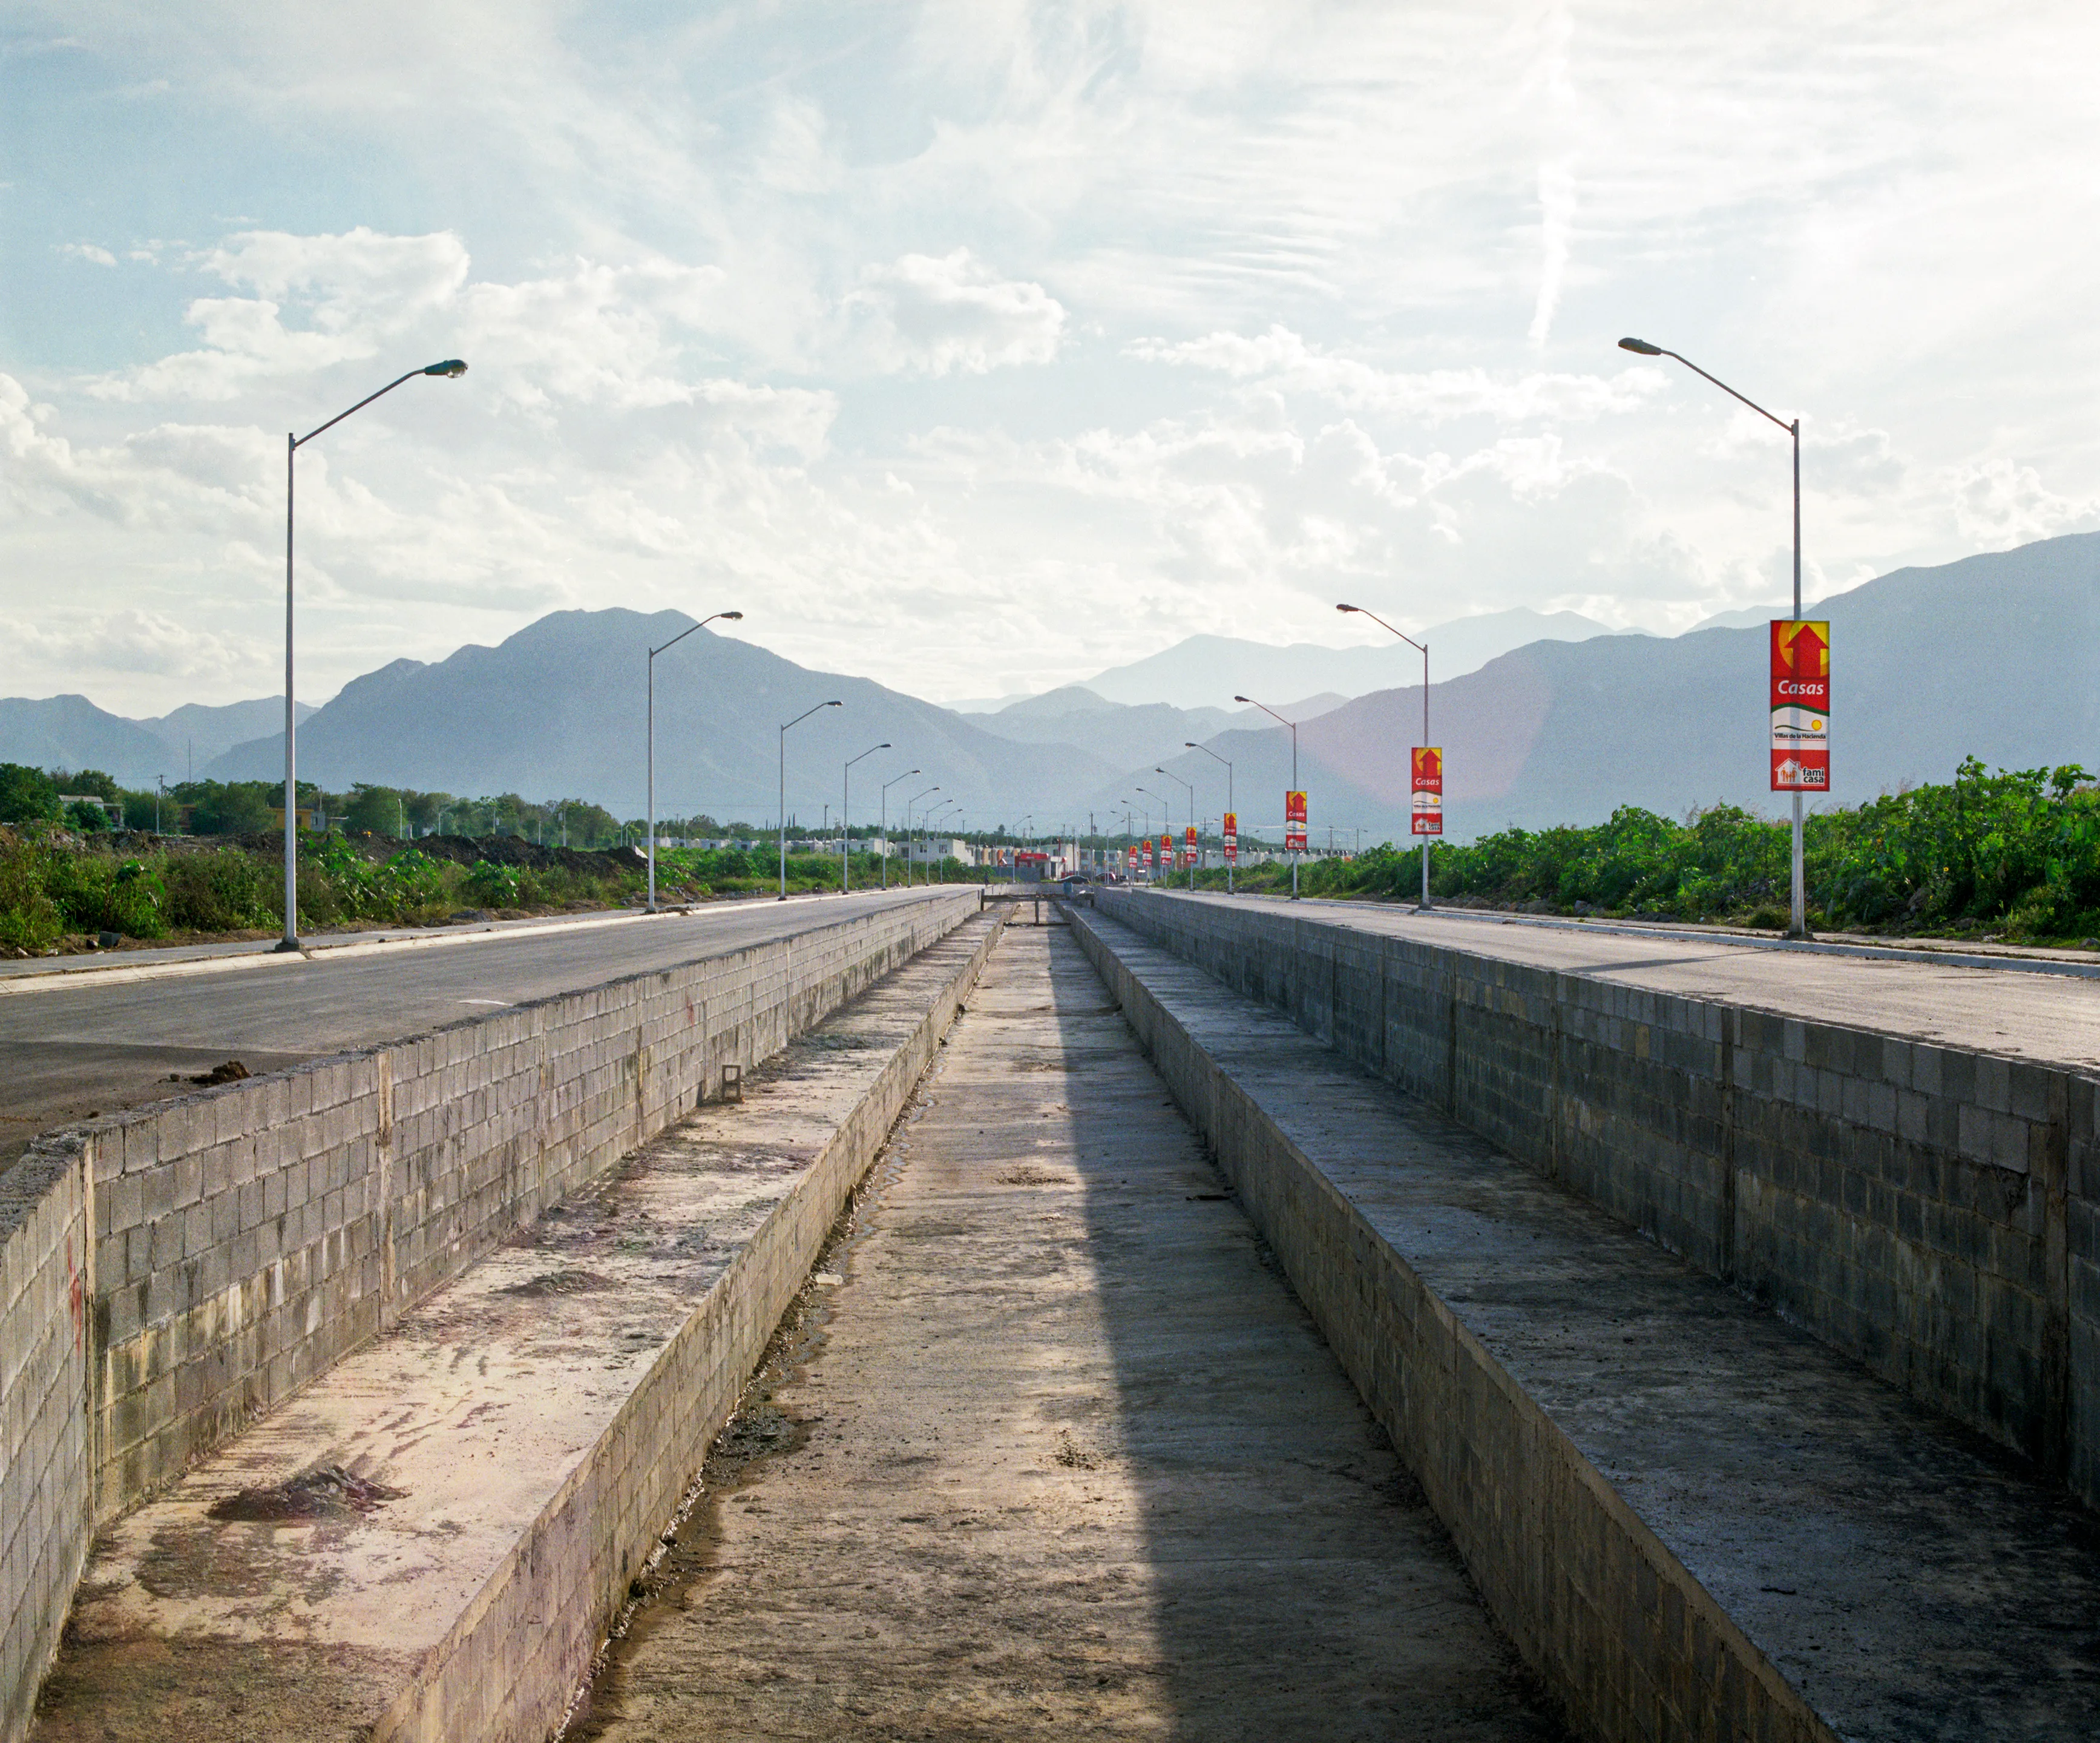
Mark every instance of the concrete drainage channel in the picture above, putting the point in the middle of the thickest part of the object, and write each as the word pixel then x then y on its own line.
pixel 431 1540
pixel 1693 1519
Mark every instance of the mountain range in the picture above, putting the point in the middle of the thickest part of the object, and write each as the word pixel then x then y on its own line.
pixel 71 732
pixel 1986 656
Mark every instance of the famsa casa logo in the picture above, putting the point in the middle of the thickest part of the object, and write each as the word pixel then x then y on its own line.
pixel 1794 774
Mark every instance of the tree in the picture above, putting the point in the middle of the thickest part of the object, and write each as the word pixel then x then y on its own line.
pixel 27 795
pixel 236 808
pixel 88 781
pixel 373 810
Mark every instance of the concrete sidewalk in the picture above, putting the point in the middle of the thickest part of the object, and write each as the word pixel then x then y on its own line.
pixel 1998 1005
pixel 1058 1455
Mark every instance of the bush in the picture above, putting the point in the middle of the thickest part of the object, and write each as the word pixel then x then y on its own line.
pixel 225 890
pixel 27 795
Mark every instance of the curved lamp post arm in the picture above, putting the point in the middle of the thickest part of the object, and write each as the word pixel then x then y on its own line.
pixel 845 832
pixel 905 776
pixel 1205 749
pixel 1423 647
pixel 1797 921
pixel 1293 725
pixel 451 368
pixel 652 652
pixel 796 721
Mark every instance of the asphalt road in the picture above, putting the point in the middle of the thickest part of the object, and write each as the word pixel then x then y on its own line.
pixel 75 1044
pixel 2013 1006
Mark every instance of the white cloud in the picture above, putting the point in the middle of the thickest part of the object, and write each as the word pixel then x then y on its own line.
pixel 89 252
pixel 1282 360
pixel 141 643
pixel 953 313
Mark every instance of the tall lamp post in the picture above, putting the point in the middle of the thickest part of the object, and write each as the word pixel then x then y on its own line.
pixel 1293 725
pixel 1170 775
pixel 908 803
pixel 946 804
pixel 1797 918
pixel 1422 647
pixel 796 721
pixel 845 832
pixel 905 776
pixel 1227 761
pixel 734 616
pixel 451 367
pixel 1166 821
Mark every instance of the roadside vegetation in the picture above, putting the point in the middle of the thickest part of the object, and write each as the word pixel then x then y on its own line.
pixel 67 878
pixel 2010 853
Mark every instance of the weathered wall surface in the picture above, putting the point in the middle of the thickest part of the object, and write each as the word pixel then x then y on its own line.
pixel 1933 1212
pixel 43 1425
pixel 173 1272
pixel 1625 1637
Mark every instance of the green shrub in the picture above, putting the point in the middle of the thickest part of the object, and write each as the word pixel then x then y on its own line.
pixel 27 795
pixel 225 890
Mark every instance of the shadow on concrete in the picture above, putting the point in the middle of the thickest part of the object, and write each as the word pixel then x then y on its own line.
pixel 1303 1588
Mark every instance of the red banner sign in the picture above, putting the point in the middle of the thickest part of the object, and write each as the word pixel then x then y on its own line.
pixel 1425 802
pixel 1293 822
pixel 1800 705
pixel 1131 858
pixel 1232 835
pixel 1166 853
pixel 1148 853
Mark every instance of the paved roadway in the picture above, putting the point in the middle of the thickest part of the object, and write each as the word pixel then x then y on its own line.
pixel 2025 1008
pixel 77 1042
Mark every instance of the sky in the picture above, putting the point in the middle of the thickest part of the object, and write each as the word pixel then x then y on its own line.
pixel 974 347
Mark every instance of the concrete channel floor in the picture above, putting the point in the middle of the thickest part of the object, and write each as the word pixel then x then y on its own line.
pixel 1058 1454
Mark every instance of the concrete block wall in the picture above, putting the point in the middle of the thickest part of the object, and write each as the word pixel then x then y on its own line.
pixel 216 1253
pixel 1621 1631
pixel 44 1522
pixel 1933 1212
pixel 517 1653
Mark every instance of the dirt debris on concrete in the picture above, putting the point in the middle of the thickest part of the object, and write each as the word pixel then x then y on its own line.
pixel 1058 1457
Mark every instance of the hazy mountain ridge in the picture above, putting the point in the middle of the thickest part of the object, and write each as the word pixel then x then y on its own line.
pixel 1210 670
pixel 1986 656
pixel 559 709
pixel 70 732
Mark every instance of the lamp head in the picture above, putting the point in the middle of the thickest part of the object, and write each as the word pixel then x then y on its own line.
pixel 1642 345
pixel 452 366
pixel 1191 744
pixel 835 705
pixel 734 617
pixel 886 745
pixel 1243 698
pixel 1349 608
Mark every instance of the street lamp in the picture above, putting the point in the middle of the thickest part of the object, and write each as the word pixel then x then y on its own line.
pixel 845 833
pixel 1165 819
pixel 796 721
pixel 734 616
pixel 1409 640
pixel 1293 725
pixel 1797 920
pixel 926 823
pixel 1170 775
pixel 452 367
pixel 1206 750
pixel 908 803
pixel 905 776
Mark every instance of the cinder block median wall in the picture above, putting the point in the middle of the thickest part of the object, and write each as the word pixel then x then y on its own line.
pixel 1935 1213
pixel 43 1425
pixel 172 1273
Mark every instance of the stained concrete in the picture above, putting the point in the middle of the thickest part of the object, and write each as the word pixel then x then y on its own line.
pixel 517 1441
pixel 1670 1495
pixel 1057 1454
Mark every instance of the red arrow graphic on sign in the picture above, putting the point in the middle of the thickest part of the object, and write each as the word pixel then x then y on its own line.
pixel 1807 654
